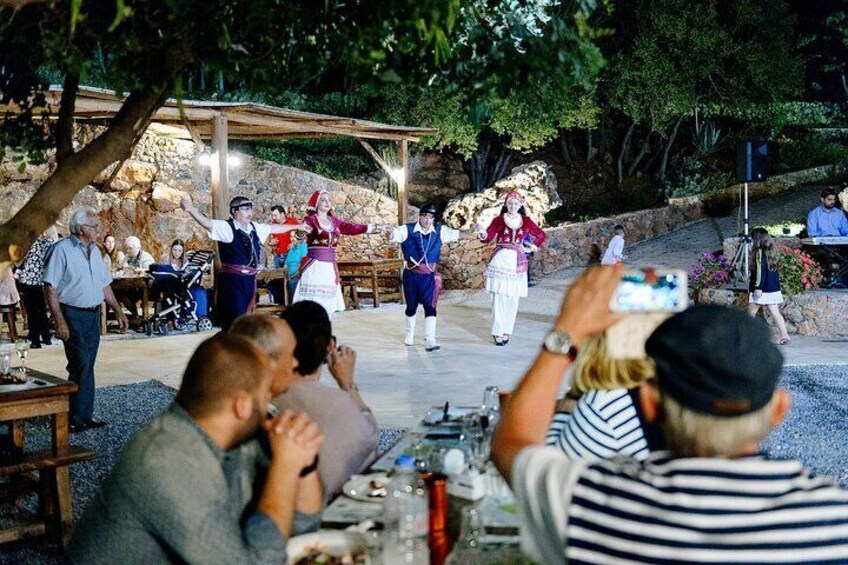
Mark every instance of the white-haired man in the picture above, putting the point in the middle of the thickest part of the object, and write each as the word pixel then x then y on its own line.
pixel 76 282
pixel 710 497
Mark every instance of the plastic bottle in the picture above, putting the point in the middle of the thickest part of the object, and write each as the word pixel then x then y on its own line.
pixel 405 516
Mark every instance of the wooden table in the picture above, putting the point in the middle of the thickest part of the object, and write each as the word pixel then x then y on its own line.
pixel 376 274
pixel 41 395
pixel 120 284
pixel 268 275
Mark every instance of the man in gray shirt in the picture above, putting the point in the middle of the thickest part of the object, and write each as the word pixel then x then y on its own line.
pixel 194 486
pixel 76 282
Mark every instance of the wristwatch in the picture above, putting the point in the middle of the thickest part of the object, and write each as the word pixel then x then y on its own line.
pixel 559 343
pixel 310 468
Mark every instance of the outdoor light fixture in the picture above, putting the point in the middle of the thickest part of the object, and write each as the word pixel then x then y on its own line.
pixel 397 175
pixel 206 159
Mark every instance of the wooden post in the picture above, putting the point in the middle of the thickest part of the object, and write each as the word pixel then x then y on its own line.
pixel 401 181
pixel 220 170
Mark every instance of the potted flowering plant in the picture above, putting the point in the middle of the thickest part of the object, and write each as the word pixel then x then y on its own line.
pixel 711 271
pixel 798 272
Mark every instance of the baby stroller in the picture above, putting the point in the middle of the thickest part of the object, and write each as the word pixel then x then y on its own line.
pixel 178 305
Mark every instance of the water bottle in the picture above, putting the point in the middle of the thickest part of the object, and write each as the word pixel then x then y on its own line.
pixel 405 516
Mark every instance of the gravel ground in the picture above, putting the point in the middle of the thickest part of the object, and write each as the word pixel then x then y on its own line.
pixel 126 408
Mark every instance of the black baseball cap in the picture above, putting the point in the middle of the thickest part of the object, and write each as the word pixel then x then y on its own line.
pixel 427 209
pixel 716 360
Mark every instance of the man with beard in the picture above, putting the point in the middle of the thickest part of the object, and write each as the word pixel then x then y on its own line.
pixel 195 486
pixel 826 220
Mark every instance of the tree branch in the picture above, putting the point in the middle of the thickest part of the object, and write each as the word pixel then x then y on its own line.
pixel 65 125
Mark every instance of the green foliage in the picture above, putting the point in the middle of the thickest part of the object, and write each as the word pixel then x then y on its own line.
pixel 811 150
pixel 691 175
pixel 782 229
pixel 262 46
pixel 338 159
pixel 774 117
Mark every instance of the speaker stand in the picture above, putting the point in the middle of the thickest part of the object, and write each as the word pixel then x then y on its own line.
pixel 740 268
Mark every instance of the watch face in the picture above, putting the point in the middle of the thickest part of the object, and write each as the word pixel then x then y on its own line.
pixel 555 342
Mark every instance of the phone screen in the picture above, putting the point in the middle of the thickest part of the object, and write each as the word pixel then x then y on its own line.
pixel 651 291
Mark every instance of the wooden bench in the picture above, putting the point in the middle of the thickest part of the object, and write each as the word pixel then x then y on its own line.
pixel 53 487
pixel 380 279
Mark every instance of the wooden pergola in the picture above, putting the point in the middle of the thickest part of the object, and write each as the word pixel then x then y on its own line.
pixel 219 122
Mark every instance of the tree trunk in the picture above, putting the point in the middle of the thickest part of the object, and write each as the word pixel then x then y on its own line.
pixel 646 145
pixel 844 80
pixel 564 150
pixel 65 125
pixel 590 151
pixel 499 170
pixel 477 165
pixel 80 168
pixel 619 164
pixel 664 161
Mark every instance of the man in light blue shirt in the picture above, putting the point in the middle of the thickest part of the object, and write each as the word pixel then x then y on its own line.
pixel 76 282
pixel 827 220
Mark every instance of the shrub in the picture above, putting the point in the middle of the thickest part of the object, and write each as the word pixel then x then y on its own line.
pixel 798 272
pixel 810 151
pixel 711 271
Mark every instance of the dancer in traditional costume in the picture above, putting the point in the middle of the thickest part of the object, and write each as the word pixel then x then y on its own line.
pixel 506 277
pixel 421 244
pixel 319 278
pixel 239 242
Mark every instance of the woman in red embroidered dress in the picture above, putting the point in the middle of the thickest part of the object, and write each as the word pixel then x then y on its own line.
pixel 319 279
pixel 506 277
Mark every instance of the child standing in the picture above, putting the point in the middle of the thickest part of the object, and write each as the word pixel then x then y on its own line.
pixel 765 280
pixel 615 250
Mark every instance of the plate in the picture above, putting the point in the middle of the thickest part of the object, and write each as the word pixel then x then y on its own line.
pixel 362 487
pixel 333 542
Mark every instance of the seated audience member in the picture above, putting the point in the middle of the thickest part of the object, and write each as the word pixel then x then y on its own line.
pixel 175 256
pixel 134 257
pixel 137 261
pixel 601 416
pixel 113 258
pixel 182 490
pixel 350 430
pixel 275 338
pixel 826 219
pixel 710 497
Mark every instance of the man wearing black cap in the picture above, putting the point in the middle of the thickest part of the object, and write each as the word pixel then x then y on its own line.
pixel 710 497
pixel 421 244
pixel 240 241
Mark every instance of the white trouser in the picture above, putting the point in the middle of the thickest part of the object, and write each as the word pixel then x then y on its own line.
pixel 504 310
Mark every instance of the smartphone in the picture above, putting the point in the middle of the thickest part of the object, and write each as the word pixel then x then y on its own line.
pixel 651 290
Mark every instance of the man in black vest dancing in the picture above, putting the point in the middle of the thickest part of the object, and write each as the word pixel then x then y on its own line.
pixel 239 242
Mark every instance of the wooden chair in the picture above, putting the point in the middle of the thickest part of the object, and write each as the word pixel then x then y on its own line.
pixel 46 472
pixel 8 315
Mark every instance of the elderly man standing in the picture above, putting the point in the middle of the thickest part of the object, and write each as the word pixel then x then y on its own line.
pixel 195 486
pixel 710 497
pixel 76 282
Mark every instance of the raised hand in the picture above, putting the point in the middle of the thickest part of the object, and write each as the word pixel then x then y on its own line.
pixel 186 203
pixel 342 365
pixel 585 309
pixel 294 438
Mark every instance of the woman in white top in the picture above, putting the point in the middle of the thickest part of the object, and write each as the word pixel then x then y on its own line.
pixel 606 419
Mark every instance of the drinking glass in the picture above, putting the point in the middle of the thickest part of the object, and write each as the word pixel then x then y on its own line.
pixel 22 349
pixel 5 360
pixel 475 439
pixel 491 405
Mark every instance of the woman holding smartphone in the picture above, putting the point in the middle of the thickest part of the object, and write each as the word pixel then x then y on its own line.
pixel 506 277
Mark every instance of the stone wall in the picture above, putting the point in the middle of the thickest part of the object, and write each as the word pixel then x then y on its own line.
pixel 569 245
pixel 821 313
pixel 143 198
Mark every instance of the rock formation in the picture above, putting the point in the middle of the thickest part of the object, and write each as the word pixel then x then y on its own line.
pixel 534 180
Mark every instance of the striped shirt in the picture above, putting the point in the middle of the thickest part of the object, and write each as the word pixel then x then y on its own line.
pixel 604 424
pixel 689 510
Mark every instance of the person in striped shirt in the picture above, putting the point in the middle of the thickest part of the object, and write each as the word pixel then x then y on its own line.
pixel 600 417
pixel 710 498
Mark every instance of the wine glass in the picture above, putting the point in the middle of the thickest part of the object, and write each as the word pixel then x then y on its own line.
pixel 476 436
pixel 22 349
pixel 5 359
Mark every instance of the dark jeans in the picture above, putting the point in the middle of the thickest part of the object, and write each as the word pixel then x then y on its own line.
pixel 36 311
pixel 81 352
